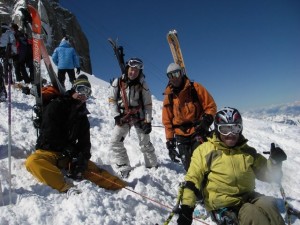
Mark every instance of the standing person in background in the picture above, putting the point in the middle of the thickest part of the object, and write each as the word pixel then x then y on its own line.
pixel 20 58
pixel 223 172
pixel 29 60
pixel 187 114
pixel 8 50
pixel 131 105
pixel 64 143
pixel 66 60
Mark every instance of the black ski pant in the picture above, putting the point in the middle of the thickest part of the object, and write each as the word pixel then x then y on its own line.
pixel 186 147
pixel 2 85
pixel 7 70
pixel 62 75
pixel 20 71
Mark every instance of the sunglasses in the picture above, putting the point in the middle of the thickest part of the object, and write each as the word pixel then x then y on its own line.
pixel 174 74
pixel 136 64
pixel 83 90
pixel 226 129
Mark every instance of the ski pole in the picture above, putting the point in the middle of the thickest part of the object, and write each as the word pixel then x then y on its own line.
pixel 158 126
pixel 176 207
pixel 9 129
pixel 290 210
pixel 1 195
pixel 143 196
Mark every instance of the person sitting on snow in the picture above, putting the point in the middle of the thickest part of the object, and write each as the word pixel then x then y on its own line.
pixel 223 171
pixel 64 143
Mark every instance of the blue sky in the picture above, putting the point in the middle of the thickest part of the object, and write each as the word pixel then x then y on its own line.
pixel 246 53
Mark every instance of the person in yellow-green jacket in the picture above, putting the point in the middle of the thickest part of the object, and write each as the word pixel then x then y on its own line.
pixel 223 172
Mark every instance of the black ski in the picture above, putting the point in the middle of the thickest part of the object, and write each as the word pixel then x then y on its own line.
pixel 119 53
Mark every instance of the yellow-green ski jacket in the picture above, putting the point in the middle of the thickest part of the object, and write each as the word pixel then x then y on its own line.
pixel 231 173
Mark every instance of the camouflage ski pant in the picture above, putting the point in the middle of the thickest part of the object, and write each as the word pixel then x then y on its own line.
pixel 119 152
pixel 43 165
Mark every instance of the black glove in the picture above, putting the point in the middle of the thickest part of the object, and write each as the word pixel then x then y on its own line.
pixel 68 152
pixel 203 126
pixel 78 166
pixel 277 155
pixel 147 128
pixel 118 120
pixel 26 90
pixel 185 215
pixel 171 146
pixel 78 70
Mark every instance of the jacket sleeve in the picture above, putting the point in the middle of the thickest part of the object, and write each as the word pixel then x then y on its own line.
pixel 147 101
pixel 113 98
pixel 195 176
pixel 167 118
pixel 55 57
pixel 76 59
pixel 84 144
pixel 266 171
pixel 208 103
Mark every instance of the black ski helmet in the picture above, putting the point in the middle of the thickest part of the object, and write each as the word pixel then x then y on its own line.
pixel 227 115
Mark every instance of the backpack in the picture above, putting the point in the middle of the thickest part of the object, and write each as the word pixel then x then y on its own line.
pixel 49 93
pixel 193 93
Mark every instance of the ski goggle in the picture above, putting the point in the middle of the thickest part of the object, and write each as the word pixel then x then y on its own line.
pixel 174 74
pixel 136 64
pixel 83 90
pixel 226 129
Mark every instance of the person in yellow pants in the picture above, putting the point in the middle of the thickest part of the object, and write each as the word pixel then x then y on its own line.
pixel 64 143
pixel 47 167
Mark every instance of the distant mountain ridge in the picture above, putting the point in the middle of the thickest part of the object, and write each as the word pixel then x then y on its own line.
pixel 284 113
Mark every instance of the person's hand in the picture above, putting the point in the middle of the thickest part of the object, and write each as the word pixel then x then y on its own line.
pixel 78 166
pixel 277 155
pixel 147 128
pixel 26 90
pixel 118 120
pixel 185 215
pixel 171 146
pixel 78 70
pixel 203 126
pixel 68 152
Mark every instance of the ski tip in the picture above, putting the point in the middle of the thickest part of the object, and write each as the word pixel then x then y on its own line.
pixel 173 32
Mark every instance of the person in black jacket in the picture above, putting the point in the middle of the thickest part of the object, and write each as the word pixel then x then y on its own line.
pixel 22 52
pixel 64 143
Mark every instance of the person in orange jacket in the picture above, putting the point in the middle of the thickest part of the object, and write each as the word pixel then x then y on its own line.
pixel 188 111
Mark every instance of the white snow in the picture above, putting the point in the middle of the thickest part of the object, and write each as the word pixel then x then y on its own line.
pixel 151 192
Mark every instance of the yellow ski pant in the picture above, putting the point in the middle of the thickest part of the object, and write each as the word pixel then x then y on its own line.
pixel 43 165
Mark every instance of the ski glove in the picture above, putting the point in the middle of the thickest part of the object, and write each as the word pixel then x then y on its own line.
pixel 203 126
pixel 147 128
pixel 26 90
pixel 78 166
pixel 185 215
pixel 118 120
pixel 78 70
pixel 68 152
pixel 171 146
pixel 277 155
